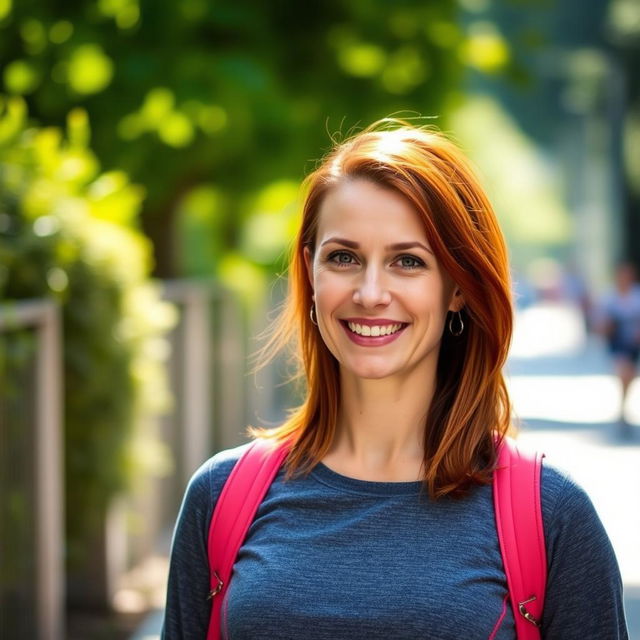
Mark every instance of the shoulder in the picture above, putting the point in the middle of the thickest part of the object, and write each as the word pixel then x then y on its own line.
pixel 570 519
pixel 200 498
pixel 205 486
pixel 561 495
pixel 187 611
pixel 210 477
pixel 557 487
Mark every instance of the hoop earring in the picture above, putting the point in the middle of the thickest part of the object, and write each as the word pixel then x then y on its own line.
pixel 460 322
pixel 312 315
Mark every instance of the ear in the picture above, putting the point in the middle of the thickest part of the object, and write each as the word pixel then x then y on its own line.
pixel 457 300
pixel 308 261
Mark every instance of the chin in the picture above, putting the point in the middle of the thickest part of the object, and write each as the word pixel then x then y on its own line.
pixel 371 376
pixel 369 372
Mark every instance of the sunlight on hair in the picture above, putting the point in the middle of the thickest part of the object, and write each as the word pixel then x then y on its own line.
pixel 393 143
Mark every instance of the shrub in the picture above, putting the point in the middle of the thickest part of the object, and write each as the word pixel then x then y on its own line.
pixel 69 231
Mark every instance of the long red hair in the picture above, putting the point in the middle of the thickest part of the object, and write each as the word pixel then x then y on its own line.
pixel 470 404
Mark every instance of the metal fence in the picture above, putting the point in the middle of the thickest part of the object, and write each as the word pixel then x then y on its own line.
pixel 212 404
pixel 208 366
pixel 206 372
pixel 31 472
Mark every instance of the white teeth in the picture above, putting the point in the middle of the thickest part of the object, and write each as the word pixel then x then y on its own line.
pixel 377 330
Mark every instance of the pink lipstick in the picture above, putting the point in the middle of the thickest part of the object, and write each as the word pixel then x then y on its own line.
pixel 372 341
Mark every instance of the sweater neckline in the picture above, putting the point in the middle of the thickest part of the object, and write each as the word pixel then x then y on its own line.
pixel 331 478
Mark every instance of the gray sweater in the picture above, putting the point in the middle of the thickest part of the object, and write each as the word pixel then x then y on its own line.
pixel 329 557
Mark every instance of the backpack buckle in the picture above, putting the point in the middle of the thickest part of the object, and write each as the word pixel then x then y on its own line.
pixel 218 588
pixel 525 614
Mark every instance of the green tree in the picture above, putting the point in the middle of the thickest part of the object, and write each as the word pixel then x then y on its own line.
pixel 230 95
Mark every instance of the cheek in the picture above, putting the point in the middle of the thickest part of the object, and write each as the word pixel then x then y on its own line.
pixel 429 294
pixel 327 300
pixel 329 287
pixel 327 304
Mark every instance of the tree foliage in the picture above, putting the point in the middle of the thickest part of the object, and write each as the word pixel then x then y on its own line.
pixel 69 232
pixel 229 95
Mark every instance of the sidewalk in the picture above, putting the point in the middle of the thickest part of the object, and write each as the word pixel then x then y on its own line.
pixel 568 400
pixel 150 628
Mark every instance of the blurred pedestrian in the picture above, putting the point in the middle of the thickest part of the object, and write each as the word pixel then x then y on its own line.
pixel 381 524
pixel 618 320
pixel 574 289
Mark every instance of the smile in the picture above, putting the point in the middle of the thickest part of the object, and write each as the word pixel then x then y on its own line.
pixel 376 330
pixel 373 335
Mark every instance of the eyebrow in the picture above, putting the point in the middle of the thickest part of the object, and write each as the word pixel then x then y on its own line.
pixel 398 246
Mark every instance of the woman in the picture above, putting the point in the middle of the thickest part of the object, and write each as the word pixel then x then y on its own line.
pixel 382 523
pixel 619 323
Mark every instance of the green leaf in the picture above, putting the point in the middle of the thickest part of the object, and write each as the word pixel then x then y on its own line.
pixel 89 69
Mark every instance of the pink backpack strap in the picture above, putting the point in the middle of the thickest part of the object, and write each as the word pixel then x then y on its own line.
pixel 516 491
pixel 516 495
pixel 234 512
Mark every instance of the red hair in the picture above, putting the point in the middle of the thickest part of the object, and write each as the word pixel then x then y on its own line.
pixel 470 404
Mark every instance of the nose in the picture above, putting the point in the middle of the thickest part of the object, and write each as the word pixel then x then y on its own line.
pixel 370 290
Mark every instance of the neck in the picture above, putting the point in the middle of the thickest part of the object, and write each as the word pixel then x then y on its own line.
pixel 380 430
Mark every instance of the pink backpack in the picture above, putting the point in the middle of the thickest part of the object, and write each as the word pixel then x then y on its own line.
pixel 516 491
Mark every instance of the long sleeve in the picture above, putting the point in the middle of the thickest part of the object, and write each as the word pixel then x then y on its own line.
pixel 584 589
pixel 187 609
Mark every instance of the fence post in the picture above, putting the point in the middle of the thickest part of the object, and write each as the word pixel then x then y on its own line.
pixel 197 385
pixel 44 317
pixel 231 412
pixel 194 371
pixel 50 473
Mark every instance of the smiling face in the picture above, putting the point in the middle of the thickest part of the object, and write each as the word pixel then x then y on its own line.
pixel 381 297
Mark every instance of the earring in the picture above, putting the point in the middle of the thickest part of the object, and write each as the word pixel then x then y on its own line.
pixel 460 323
pixel 312 315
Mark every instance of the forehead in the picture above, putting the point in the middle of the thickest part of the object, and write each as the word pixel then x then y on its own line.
pixel 361 207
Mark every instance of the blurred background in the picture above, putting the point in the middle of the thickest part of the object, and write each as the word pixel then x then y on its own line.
pixel 150 161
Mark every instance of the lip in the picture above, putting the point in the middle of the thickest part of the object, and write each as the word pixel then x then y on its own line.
pixel 372 341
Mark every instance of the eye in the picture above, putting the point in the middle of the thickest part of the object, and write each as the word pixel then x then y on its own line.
pixel 340 258
pixel 410 262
